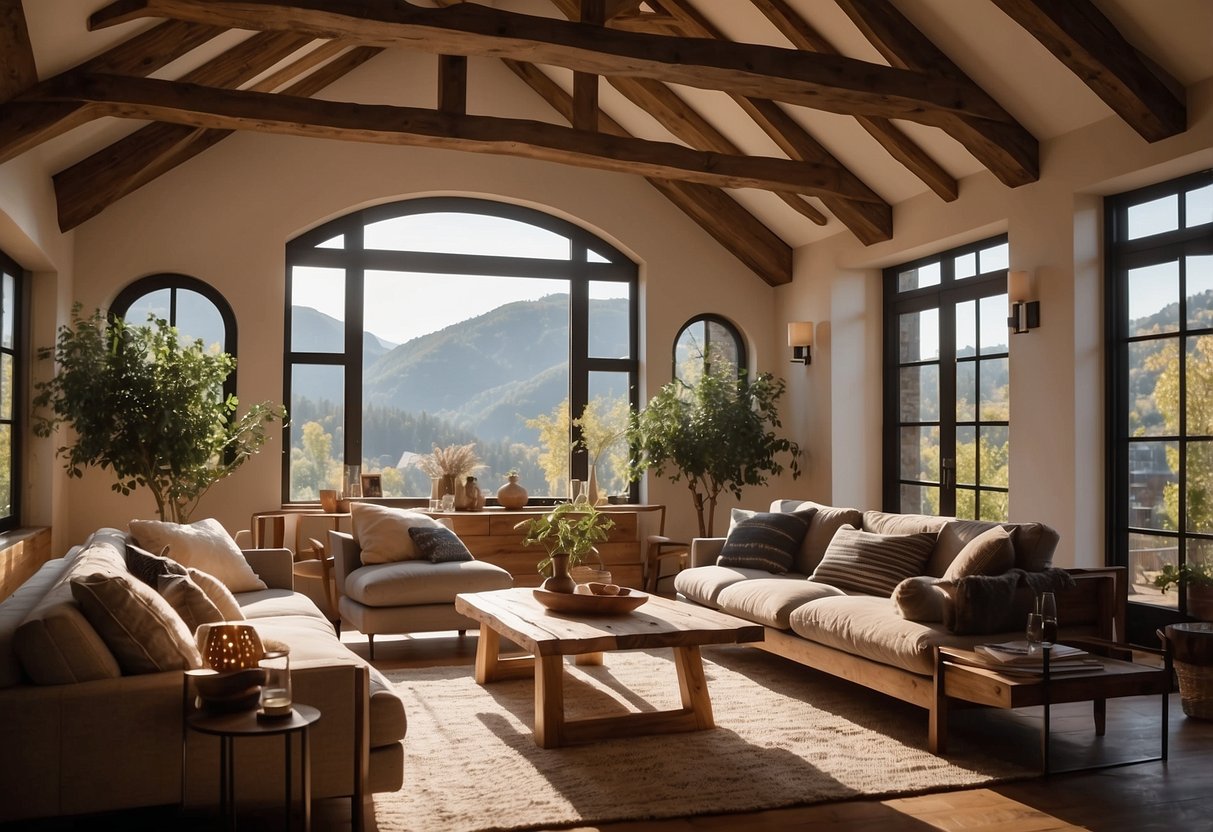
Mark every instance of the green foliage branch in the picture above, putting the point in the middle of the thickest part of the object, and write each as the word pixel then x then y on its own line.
pixel 1192 573
pixel 149 407
pixel 717 435
pixel 572 529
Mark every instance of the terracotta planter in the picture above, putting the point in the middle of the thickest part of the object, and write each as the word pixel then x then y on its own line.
pixel 560 580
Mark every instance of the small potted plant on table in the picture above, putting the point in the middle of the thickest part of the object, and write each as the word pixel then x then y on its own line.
pixel 568 533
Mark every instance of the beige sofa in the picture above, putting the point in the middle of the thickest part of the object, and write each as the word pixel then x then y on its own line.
pixel 79 737
pixel 864 638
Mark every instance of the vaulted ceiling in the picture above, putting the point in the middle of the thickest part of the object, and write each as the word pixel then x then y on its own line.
pixel 769 122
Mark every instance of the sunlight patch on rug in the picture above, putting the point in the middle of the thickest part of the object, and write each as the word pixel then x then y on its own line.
pixel 785 736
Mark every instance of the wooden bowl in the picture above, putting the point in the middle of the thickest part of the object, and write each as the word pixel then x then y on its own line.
pixel 587 603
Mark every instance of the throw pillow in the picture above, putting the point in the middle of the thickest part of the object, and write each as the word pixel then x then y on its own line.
pixel 439 544
pixel 188 600
pixel 990 553
pixel 873 564
pixel 150 568
pixel 383 533
pixel 204 545
pixel 139 627
pixel 921 599
pixel 768 540
pixel 220 595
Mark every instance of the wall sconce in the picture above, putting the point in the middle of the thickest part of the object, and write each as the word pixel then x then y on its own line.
pixel 1025 313
pixel 800 339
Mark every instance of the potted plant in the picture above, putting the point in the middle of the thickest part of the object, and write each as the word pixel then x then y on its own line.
pixel 148 407
pixel 717 434
pixel 1197 577
pixel 568 533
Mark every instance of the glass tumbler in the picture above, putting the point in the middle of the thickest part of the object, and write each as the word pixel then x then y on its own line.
pixel 276 691
pixel 1034 632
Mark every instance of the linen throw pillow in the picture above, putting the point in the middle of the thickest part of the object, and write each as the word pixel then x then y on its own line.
pixel 205 545
pixel 990 553
pixel 220 595
pixel 383 532
pixel 873 564
pixel 922 599
pixel 137 625
pixel 188 600
pixel 768 540
pixel 439 544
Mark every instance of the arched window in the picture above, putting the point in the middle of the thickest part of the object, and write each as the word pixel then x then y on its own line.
pixel 450 320
pixel 707 342
pixel 197 309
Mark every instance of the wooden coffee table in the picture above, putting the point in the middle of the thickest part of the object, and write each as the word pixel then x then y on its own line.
pixel 515 614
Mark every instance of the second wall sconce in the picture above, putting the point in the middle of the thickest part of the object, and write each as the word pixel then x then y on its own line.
pixel 800 339
pixel 1025 311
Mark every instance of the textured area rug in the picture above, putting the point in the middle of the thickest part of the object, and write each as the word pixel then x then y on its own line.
pixel 785 735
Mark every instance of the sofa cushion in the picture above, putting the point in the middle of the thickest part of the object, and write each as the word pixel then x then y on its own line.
pixel 922 598
pixel 872 563
pixel 439 544
pixel 219 594
pixel 416 582
pixel 1034 544
pixel 14 610
pixel 885 522
pixel 822 527
pixel 276 603
pixel 139 627
pixel 205 545
pixel 867 626
pixel 703 584
pixel 188 600
pixel 770 601
pixel 766 540
pixel 990 553
pixel 383 532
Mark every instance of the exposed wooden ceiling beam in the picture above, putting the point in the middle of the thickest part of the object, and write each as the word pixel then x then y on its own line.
pixel 190 104
pixel 24 126
pixel 93 184
pixel 1009 151
pixel 827 82
pixel 1081 37
pixel 650 22
pixel 900 146
pixel 18 72
pixel 870 221
pixel 736 229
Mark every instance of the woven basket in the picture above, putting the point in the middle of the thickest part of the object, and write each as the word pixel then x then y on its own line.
pixel 1195 689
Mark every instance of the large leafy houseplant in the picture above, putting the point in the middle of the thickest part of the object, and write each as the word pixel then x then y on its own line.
pixel 717 435
pixel 149 407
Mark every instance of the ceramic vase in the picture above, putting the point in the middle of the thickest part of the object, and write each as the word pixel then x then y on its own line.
pixel 560 580
pixel 461 496
pixel 512 496
pixel 473 495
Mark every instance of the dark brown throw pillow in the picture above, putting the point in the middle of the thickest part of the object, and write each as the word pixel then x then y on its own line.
pixel 439 544
pixel 151 568
pixel 768 541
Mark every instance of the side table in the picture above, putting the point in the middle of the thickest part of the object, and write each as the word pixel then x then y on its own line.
pixel 247 724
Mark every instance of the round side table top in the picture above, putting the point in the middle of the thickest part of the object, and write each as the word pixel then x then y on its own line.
pixel 247 723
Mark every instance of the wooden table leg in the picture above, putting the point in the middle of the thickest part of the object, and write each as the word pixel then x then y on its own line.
pixel 549 701
pixel 693 686
pixel 488 647
pixel 937 732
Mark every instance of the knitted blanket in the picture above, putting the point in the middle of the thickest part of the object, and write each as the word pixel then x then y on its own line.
pixel 1000 603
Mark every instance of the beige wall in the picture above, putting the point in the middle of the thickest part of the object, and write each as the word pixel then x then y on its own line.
pixel 1057 391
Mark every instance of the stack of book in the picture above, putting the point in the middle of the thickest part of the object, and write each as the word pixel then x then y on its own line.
pixel 1020 658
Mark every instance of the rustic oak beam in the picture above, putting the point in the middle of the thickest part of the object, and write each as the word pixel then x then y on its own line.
pixel 870 221
pixel 190 104
pixel 1081 37
pixel 18 72
pixel 737 230
pixel 828 82
pixel 25 125
pixel 1009 151
pixel 453 84
pixel 900 146
pixel 614 8
pixel 90 186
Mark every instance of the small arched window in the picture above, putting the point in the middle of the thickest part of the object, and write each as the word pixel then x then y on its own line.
pixel 195 308
pixel 707 342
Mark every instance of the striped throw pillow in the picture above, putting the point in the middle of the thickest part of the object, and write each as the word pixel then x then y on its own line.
pixel 873 564
pixel 768 540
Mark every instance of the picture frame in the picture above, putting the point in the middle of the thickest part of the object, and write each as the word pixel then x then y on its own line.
pixel 372 485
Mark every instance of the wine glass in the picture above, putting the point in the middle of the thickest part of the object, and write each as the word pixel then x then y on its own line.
pixel 1034 632
pixel 1048 611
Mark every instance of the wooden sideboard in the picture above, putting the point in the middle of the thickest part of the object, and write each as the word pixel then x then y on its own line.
pixel 22 551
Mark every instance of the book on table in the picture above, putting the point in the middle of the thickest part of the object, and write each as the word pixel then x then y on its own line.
pixel 1018 657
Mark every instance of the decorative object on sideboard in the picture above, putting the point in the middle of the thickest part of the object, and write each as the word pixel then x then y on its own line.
pixel 800 339
pixel 328 500
pixel 1025 310
pixel 372 485
pixel 512 496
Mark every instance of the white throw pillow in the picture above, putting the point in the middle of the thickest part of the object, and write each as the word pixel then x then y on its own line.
pixel 383 533
pixel 204 545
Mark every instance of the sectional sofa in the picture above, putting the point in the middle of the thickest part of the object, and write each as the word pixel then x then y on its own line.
pixel 872 638
pixel 81 735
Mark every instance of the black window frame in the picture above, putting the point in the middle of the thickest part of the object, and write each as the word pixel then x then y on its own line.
pixel 739 345
pixel 355 259
pixel 20 354
pixel 1121 255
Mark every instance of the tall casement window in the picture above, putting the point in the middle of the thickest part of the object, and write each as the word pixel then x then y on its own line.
pixel 707 342
pixel 448 320
pixel 194 307
pixel 946 390
pixel 1160 381
pixel 13 359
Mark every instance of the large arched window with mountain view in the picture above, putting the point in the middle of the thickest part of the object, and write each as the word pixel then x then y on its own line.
pixel 449 320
